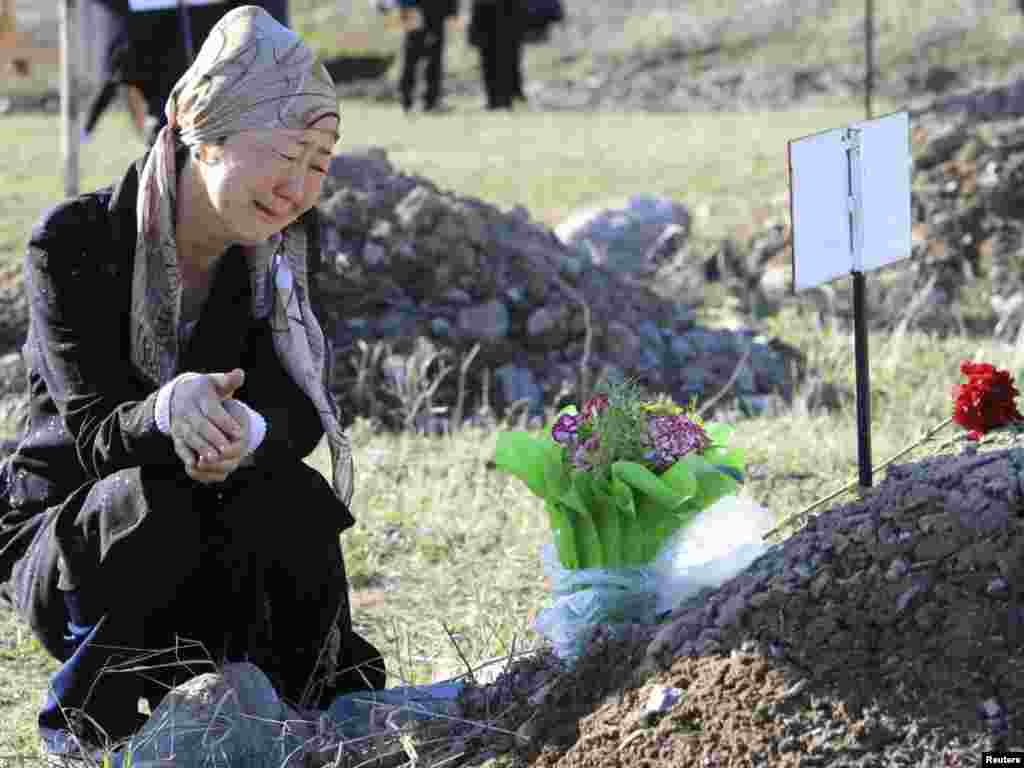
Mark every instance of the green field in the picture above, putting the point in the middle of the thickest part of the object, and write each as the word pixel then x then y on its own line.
pixel 417 560
pixel 443 544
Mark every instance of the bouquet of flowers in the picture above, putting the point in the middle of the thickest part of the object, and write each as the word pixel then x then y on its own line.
pixel 624 481
pixel 623 474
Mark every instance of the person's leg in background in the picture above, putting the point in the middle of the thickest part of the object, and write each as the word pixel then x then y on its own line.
pixel 504 69
pixel 412 50
pixel 434 52
pixel 517 69
pixel 486 34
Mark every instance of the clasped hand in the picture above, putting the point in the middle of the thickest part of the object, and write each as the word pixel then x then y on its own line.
pixel 210 430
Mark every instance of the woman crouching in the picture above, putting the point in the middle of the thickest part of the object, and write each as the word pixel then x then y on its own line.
pixel 158 509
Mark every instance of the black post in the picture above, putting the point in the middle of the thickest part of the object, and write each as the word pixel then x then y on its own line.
pixel 860 354
pixel 869 54
pixel 186 30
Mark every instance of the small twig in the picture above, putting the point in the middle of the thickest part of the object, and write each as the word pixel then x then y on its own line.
pixel 732 380
pixel 914 307
pixel 307 691
pixel 460 400
pixel 583 376
pixel 850 486
pixel 449 759
pixel 458 650
pixel 500 659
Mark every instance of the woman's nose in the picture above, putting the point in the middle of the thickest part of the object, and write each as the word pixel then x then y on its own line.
pixel 292 186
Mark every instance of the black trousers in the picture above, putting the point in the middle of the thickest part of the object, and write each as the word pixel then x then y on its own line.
pixel 248 570
pixel 500 52
pixel 427 42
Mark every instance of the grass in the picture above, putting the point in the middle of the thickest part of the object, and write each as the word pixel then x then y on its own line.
pixel 443 545
pixel 444 561
pixel 750 32
pixel 729 168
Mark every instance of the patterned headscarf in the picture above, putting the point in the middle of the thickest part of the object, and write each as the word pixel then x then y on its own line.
pixel 251 74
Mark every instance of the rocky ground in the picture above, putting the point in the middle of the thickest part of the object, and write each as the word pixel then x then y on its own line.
pixel 884 632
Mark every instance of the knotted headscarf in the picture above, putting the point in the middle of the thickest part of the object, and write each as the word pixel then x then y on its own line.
pixel 252 73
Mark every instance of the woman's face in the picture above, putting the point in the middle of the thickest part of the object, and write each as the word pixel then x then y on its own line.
pixel 259 182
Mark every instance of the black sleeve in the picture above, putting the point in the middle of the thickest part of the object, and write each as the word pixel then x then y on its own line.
pixel 76 343
pixel 294 427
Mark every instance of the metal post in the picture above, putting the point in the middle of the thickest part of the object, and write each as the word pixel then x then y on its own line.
pixel 869 54
pixel 186 30
pixel 69 95
pixel 860 354
pixel 855 192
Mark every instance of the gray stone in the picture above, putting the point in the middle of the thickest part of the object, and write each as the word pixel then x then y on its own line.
pixel 375 255
pixel 621 235
pixel 441 328
pixel 396 322
pixel 229 717
pixel 624 341
pixel 517 383
pixel 457 296
pixel 420 210
pixel 661 699
pixel 652 335
pixel 489 320
pixel 413 260
pixel 705 342
pixel 682 349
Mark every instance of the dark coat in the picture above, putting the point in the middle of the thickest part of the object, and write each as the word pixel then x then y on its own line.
pixel 106 544
pixel 91 413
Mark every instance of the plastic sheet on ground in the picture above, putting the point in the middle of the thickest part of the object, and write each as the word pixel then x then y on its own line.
pixel 721 542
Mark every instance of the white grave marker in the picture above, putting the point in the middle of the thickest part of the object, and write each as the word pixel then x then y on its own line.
pixel 850 209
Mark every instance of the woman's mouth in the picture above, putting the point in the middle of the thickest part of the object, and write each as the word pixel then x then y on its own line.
pixel 267 213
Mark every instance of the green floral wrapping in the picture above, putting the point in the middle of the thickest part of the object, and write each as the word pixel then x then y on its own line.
pixel 624 519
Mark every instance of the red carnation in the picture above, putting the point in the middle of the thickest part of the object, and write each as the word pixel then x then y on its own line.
pixel 986 401
pixel 596 404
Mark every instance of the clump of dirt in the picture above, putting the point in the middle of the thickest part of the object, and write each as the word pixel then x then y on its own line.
pixel 886 631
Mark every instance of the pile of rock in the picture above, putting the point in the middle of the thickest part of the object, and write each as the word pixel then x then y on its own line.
pixel 919 580
pixel 404 260
pixel 965 273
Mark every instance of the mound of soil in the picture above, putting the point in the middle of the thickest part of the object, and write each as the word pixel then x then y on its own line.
pixel 885 632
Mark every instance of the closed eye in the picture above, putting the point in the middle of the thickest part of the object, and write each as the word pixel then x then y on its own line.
pixel 316 168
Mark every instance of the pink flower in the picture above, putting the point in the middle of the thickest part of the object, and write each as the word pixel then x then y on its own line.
pixel 564 430
pixel 675 437
pixel 584 456
pixel 595 405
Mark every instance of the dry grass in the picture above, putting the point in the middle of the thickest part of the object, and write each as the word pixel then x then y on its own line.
pixel 444 561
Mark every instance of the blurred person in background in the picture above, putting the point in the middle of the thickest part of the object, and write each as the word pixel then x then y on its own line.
pixel 424 23
pixel 179 377
pixel 495 29
pixel 143 53
pixel 535 22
